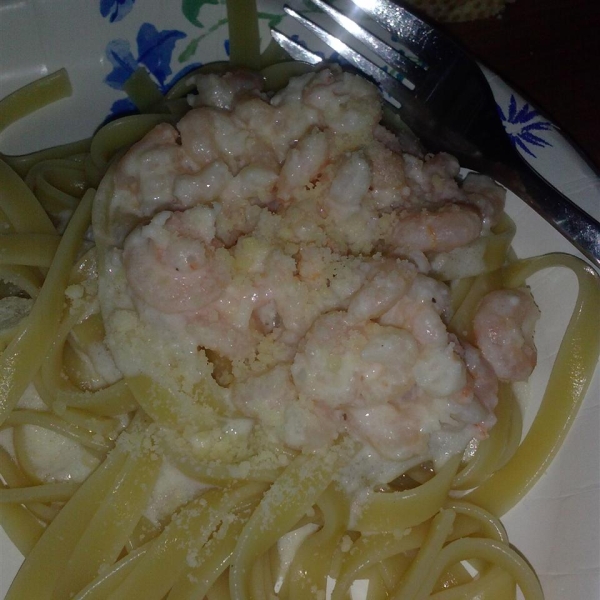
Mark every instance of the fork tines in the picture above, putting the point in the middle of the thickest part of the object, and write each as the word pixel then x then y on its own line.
pixel 414 31
pixel 396 86
pixel 294 49
pixel 395 58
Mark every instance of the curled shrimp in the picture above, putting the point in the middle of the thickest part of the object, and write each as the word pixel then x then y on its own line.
pixel 483 378
pixel 344 363
pixel 303 163
pixel 441 230
pixel 222 91
pixel 170 263
pixel 421 310
pixel 503 326
pixel 484 193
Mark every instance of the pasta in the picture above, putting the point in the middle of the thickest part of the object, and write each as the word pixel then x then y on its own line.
pixel 192 481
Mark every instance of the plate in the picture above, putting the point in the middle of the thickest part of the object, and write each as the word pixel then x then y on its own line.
pixel 557 525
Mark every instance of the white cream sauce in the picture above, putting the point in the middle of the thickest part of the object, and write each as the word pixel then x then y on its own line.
pixel 286 242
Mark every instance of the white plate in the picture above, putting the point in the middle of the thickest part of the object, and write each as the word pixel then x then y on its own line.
pixel 557 526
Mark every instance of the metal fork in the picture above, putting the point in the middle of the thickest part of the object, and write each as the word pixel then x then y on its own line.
pixel 445 99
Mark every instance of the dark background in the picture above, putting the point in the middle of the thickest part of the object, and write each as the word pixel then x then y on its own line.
pixel 549 51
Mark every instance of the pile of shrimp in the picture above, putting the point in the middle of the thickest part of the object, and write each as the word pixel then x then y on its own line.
pixel 283 245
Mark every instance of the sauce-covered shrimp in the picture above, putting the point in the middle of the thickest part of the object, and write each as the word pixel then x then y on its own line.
pixel 283 248
pixel 504 325
pixel 171 264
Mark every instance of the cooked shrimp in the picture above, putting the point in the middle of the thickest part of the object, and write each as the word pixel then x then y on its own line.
pixel 485 381
pixel 222 91
pixel 170 263
pixel 440 372
pixel 442 230
pixel 341 364
pixel 420 311
pixel 341 367
pixel 486 195
pixel 202 187
pixel 378 383
pixel 303 164
pixel 265 396
pixel 348 105
pixel 387 282
pixel 288 240
pixel 389 188
pixel 394 431
pixel 209 134
pixel 503 326
pixel 349 187
pixel 143 179
pixel 433 178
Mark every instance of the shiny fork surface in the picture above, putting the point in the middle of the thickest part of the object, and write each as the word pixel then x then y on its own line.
pixel 445 99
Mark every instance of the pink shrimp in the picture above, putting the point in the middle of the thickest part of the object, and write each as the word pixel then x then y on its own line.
pixel 341 363
pixel 452 226
pixel 484 381
pixel 170 263
pixel 484 193
pixel 303 164
pixel 421 310
pixel 223 91
pixel 393 430
pixel 504 325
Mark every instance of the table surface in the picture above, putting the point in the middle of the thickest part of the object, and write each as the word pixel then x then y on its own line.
pixel 550 52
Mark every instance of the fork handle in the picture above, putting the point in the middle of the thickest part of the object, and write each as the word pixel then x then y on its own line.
pixel 581 229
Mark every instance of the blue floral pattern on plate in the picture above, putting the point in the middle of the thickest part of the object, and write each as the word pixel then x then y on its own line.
pixel 523 125
pixel 115 10
pixel 154 52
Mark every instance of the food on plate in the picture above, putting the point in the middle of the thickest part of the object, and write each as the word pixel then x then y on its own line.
pixel 279 363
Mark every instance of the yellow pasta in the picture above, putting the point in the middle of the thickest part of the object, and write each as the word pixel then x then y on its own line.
pixel 255 518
